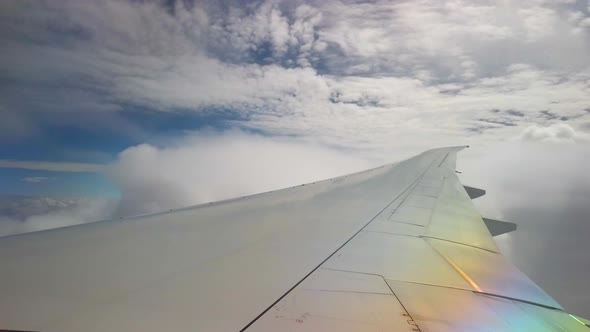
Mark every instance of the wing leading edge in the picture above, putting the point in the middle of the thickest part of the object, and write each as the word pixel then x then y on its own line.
pixel 399 247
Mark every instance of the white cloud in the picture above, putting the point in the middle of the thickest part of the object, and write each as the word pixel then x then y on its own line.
pixel 585 22
pixel 212 166
pixel 559 133
pixel 21 214
pixel 388 78
pixel 354 74
pixel 539 22
pixel 527 174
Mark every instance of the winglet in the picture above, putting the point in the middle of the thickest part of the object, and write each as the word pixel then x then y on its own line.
pixel 497 227
pixel 474 192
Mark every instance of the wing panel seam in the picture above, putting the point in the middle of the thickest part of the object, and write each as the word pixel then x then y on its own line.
pixel 459 243
pixel 408 189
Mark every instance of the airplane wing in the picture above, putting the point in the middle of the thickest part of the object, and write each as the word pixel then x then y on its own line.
pixel 396 248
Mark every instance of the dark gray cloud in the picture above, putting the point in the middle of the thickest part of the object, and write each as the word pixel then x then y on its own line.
pixel 553 116
pixel 501 122
pixel 515 113
pixel 479 129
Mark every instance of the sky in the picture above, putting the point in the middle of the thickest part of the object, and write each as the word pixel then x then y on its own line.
pixel 112 108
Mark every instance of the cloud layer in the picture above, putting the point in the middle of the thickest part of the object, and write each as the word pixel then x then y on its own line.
pixel 342 73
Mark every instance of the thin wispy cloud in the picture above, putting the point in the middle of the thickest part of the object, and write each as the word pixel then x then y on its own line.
pixel 36 179
pixel 52 166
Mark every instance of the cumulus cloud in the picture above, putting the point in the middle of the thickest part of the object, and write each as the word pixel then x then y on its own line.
pixel 347 75
pixel 296 68
pixel 559 132
pixel 212 166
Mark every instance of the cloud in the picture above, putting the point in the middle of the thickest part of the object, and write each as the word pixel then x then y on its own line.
pixel 526 173
pixel 22 214
pixel 272 33
pixel 51 166
pixel 211 166
pixel 557 133
pixel 35 179
pixel 347 74
pixel 21 207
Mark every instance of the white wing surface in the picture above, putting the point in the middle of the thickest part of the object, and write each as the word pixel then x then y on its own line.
pixel 396 248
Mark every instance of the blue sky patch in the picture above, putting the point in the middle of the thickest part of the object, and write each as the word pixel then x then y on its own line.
pixel 55 184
